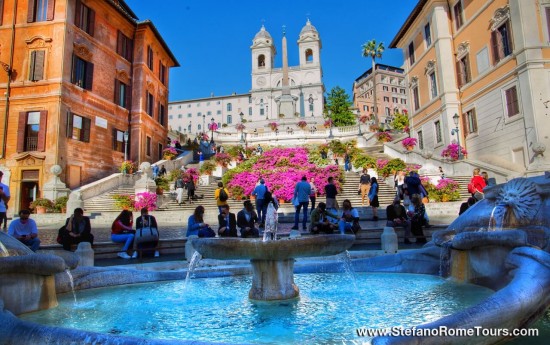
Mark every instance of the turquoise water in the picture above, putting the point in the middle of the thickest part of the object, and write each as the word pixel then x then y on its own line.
pixel 330 308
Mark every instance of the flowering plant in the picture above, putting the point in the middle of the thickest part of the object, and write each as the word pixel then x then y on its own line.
pixel 222 159
pixel 169 153
pixel 412 167
pixel 190 174
pixel 409 142
pixel 208 167
pixel 302 124
pixel 328 123
pixel 124 201
pixel 240 127
pixel 451 151
pixel 213 126
pixel 406 129
pixel 175 142
pixel 384 136
pixel 446 189
pixel 374 128
pixel 127 167
pixel 146 199
pixel 273 126
pixel 364 118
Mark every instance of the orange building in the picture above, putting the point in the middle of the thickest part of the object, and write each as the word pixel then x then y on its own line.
pixel 79 75
pixel 488 62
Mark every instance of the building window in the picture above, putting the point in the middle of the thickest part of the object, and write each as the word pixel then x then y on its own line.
pixel 199 114
pixel 470 125
pixel 78 127
pixel 365 108
pixel 420 140
pixel 124 46
pixel 463 71
pixel 31 134
pixel 118 140
pixel 458 15
pixel 36 66
pixel 170 117
pixel 388 111
pixel 229 119
pixel 427 34
pixel 82 73
pixel 150 104
pixel 218 112
pixel 402 91
pixel 199 127
pixel 249 110
pixel 386 99
pixel 394 100
pixel 394 89
pixel 501 41
pixel 84 18
pixel 160 147
pixel 208 113
pixel 148 146
pixel 161 114
pixel 411 53
pixel 309 56
pixel 416 99
pixel 433 85
pixel 249 99
pixel 122 94
pixel 262 110
pixel 189 114
pixel 384 88
pixel 547 10
pixel 150 57
pixel 512 103
pixel 229 107
pixel 162 73
pixel 40 10
pixel 180 116
pixel 438 136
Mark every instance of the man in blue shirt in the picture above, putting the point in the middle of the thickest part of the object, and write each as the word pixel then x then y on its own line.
pixel 301 194
pixel 261 206
pixel 24 229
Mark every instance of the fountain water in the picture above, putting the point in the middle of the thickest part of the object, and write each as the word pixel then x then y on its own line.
pixel 71 280
pixel 192 265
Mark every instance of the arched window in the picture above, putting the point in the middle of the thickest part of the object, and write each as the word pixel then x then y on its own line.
pixel 229 107
pixel 229 119
pixel 261 61
pixel 199 127
pixel 309 55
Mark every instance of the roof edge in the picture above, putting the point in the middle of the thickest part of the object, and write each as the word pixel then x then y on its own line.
pixel 408 22
pixel 149 23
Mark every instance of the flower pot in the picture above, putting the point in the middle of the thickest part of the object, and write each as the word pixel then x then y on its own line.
pixel 426 200
pixel 160 191
pixel 252 197
pixel 410 148
pixel 281 201
pixel 40 209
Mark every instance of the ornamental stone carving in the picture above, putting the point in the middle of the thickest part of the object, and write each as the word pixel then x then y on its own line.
pixel 462 50
pixel 414 81
pixel 81 50
pixel 430 67
pixel 38 42
pixel 123 76
pixel 501 15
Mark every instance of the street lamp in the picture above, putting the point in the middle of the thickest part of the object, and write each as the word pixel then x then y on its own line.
pixel 358 114
pixel 126 135
pixel 311 104
pixel 456 131
pixel 203 123
pixel 330 127
pixel 242 135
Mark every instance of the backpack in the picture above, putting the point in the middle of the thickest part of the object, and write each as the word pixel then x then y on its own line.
pixel 223 195
pixel 471 188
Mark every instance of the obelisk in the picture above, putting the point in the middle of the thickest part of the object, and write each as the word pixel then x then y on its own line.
pixel 286 102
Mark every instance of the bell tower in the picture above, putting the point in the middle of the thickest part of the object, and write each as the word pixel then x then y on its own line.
pixel 309 46
pixel 263 55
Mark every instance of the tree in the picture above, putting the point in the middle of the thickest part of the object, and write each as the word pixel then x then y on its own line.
pixel 373 50
pixel 338 107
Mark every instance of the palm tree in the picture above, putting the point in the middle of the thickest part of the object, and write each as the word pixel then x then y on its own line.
pixel 373 50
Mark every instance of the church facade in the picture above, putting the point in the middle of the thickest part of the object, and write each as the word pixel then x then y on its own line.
pixel 263 102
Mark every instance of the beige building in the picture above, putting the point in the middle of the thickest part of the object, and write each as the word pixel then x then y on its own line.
pixel 488 62
pixel 391 92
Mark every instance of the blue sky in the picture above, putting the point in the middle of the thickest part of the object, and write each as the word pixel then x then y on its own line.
pixel 212 39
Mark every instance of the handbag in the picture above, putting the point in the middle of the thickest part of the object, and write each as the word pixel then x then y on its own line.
pixel 147 234
pixel 295 201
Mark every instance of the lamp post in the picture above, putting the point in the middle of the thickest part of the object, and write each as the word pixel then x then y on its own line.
pixel 126 135
pixel 311 104
pixel 7 68
pixel 242 135
pixel 330 127
pixel 358 114
pixel 456 131
pixel 203 123
pixel 212 131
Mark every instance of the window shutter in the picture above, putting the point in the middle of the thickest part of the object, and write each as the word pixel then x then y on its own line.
pixel 91 22
pixel 494 45
pixel 41 145
pixel 69 124
pixel 474 121
pixel 30 13
pixel 78 14
pixel 119 42
pixel 114 139
pixel 38 65
pixel 548 21
pixel 51 9
pixel 1 10
pixel 128 100
pixel 117 92
pixel 86 125
pixel 89 75
pixel 467 75
pixel 514 100
pixel 21 132
pixel 464 121
pixel 459 73
pixel 129 49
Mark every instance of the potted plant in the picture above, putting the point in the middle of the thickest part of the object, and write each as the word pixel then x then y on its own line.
pixel 208 167
pixel 169 153
pixel 127 167
pixel 409 143
pixel 451 151
pixel 124 201
pixel 240 127
pixel 328 123
pixel 273 126
pixel 384 136
pixel 301 124
pixel 41 205
pixel 162 184
pixel 60 204
pixel 222 159
pixel 147 200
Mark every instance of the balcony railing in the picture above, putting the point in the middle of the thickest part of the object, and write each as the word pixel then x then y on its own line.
pixel 31 143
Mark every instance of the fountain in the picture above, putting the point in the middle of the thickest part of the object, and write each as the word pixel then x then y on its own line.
pixel 272 261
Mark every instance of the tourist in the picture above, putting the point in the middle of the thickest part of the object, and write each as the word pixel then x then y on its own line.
pixel 364 186
pixel 24 229
pixel 330 194
pixel 196 225
pixel 190 186
pixel 155 169
pixel 319 220
pixel 373 197
pixel 77 229
pixel 122 232
pixel 259 150
pixel 201 159
pixel 413 183
pixel 477 184
pixel 221 195
pixel 399 180
pixel 347 162
pixel 179 184
pixel 441 172
pixel 271 218
pixel 147 234
pixel 397 216
pixel 246 220
pixel 302 192
pixel 162 170
pixel 466 205
pixel 4 199
pixel 227 222
pixel 313 195
pixel 349 220
pixel 261 207
pixel 417 218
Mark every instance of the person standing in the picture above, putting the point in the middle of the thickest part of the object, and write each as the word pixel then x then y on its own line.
pixel 246 219
pixel 77 229
pixel 347 162
pixel 313 195
pixel 227 223
pixel 155 169
pixel 302 192
pixel 122 232
pixel 261 206
pixel 364 186
pixel 179 184
pixel 413 183
pixel 190 185
pixel 24 229
pixel 399 183
pixel 478 183
pixel 4 199
pixel 162 170
pixel 221 195
pixel 201 159
pixel 373 197
pixel 330 194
